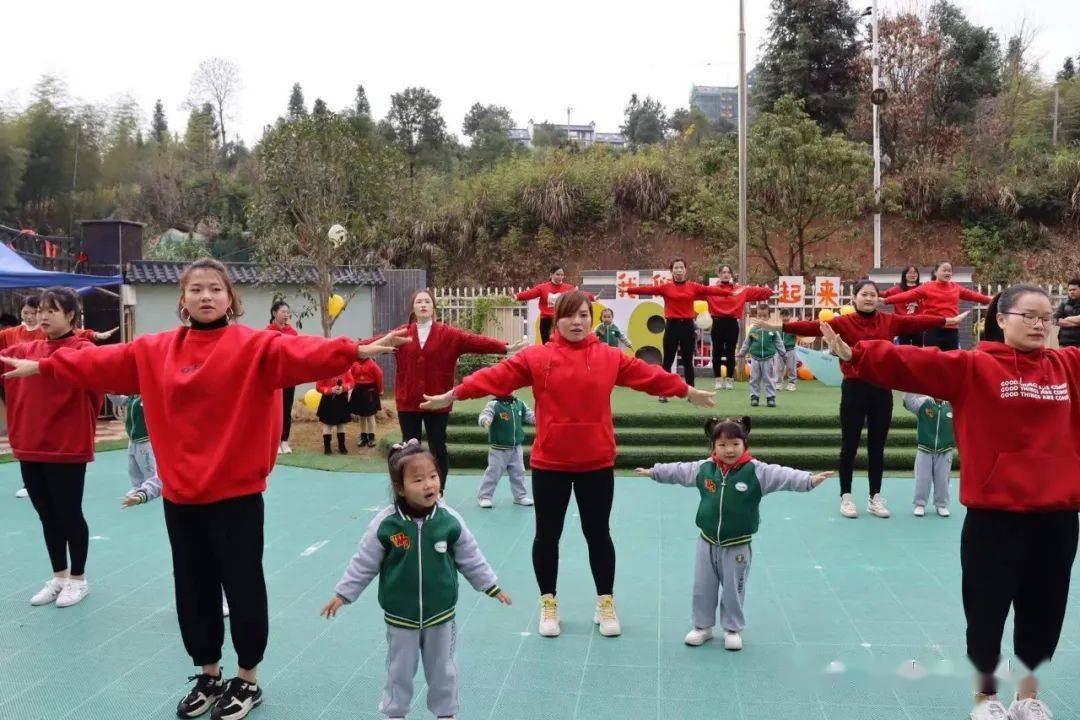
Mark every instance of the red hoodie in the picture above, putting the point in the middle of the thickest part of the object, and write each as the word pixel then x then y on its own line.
pixel 572 384
pixel 679 297
pixel 938 298
pixel 9 337
pixel 912 308
pixel 1016 416
pixel 212 398
pixel 50 421
pixel 548 294
pixel 367 372
pixel 856 327
pixel 731 306
pixel 430 369
pixel 285 329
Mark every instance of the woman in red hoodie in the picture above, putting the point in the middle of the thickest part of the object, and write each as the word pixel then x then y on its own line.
pixel 548 294
pixel 280 315
pixel 209 388
pixel 939 298
pixel 51 428
pixel 910 279
pixel 679 331
pixel 727 313
pixel 1017 407
pixel 428 365
pixel 572 378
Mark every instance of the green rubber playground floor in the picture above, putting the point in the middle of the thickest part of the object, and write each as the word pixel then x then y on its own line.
pixel 848 620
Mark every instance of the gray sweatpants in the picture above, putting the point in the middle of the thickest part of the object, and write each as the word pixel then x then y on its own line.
pixel 510 460
pixel 141 463
pixel 932 469
pixel 436 645
pixel 790 364
pixel 720 575
pixel 762 370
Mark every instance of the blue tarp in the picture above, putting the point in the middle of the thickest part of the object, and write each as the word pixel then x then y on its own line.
pixel 825 366
pixel 16 272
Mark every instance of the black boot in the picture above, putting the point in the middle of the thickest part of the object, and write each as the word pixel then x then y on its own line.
pixel 326 444
pixel 371 439
pixel 362 442
pixel 341 444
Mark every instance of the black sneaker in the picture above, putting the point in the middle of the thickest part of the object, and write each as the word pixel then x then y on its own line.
pixel 771 402
pixel 237 701
pixel 202 697
pixel 754 402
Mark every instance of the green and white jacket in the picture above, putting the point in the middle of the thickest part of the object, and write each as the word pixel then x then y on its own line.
pixel 934 423
pixel 728 513
pixel 417 561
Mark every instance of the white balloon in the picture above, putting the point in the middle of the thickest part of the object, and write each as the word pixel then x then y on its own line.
pixel 703 321
pixel 337 234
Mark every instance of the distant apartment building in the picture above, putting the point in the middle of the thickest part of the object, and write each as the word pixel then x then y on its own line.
pixel 716 102
pixel 583 135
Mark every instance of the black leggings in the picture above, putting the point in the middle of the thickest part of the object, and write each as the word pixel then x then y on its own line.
pixel 916 340
pixel 944 338
pixel 725 341
pixel 415 424
pixel 287 397
pixel 1018 560
pixel 862 402
pixel 56 491
pixel 679 336
pixel 545 328
pixel 218 546
pixel 594 491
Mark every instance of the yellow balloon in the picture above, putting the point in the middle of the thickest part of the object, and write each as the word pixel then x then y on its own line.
pixel 700 306
pixel 826 315
pixel 312 398
pixel 847 309
pixel 335 305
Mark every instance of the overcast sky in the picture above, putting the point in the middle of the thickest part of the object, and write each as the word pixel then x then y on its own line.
pixel 536 58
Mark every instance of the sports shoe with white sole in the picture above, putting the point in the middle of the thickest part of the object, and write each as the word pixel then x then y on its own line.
pixel 847 506
pixel 1029 709
pixel 549 616
pixel 484 502
pixel 285 449
pixel 718 384
pixel 876 507
pixel 991 709
pixel 48 594
pixel 919 511
pixel 21 493
pixel 732 641
pixel 606 618
pixel 526 501
pixel 729 384
pixel 202 697
pixel 943 512
pixel 240 698
pixel 73 593
pixel 791 387
pixel 224 608
pixel 698 636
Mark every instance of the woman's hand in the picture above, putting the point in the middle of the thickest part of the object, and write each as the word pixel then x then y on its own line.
pixel 438 402
pixel 386 344
pixel 511 349
pixel 700 398
pixel 107 334
pixel 504 599
pixel 956 319
pixel 21 368
pixel 644 472
pixel 331 608
pixel 836 343
pixel 816 480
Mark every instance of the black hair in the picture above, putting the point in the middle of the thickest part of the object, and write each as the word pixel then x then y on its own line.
pixel 1008 297
pixel 677 258
pixel 555 268
pixel 863 283
pixel 63 299
pixel 728 429
pixel 1075 281
pixel 400 456
pixel 937 266
pixel 505 398
pixel 903 277
pixel 992 332
pixel 725 265
pixel 785 312
pixel 278 304
pixel 32 301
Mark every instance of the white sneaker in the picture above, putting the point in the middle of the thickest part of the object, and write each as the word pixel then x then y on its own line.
pixel 1029 709
pixel 718 384
pixel 791 387
pixel 606 618
pixel 847 506
pixel 21 493
pixel 484 502
pixel 919 511
pixel 729 383
pixel 732 641
pixel 224 608
pixel 991 709
pixel 698 636
pixel 526 501
pixel 943 512
pixel 549 616
pixel 49 593
pixel 73 593
pixel 876 507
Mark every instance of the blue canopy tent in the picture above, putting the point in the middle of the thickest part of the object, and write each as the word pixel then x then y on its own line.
pixel 17 272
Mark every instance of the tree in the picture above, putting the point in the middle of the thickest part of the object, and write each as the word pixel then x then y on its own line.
pixel 200 139
pixel 478 113
pixel 644 121
pixel 1068 70
pixel 361 106
pixel 679 122
pixel 319 109
pixel 419 130
pixel 217 83
pixel 810 54
pixel 489 127
pixel 12 162
pixel 159 127
pixel 546 134
pixel 974 62
pixel 297 109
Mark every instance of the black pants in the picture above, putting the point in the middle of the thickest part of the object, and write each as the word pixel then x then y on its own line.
pixel 56 491
pixel 944 338
pixel 416 424
pixel 594 491
pixel 725 341
pixel 1018 560
pixel 545 328
pixel 217 546
pixel 916 340
pixel 861 402
pixel 287 397
pixel 679 336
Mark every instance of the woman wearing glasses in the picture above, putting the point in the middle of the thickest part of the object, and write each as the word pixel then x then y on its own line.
pixel 1020 479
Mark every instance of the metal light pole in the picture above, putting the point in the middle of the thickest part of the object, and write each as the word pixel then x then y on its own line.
pixel 876 64
pixel 742 142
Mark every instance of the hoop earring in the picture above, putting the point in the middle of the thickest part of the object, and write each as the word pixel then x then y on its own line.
pixel 229 314
pixel 185 316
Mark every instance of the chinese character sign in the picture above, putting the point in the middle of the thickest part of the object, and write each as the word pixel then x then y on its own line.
pixel 792 289
pixel 661 277
pixel 623 280
pixel 827 292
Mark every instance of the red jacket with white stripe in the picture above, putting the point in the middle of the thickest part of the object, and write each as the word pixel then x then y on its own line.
pixel 430 369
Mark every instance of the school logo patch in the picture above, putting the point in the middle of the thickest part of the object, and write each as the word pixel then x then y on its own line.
pixel 930 413
pixel 440 547
pixel 741 486
pixel 740 559
pixel 401 540
pixel 710 485
pixel 504 416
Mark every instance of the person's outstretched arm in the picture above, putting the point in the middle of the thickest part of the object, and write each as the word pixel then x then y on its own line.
pixel 103 367
pixel 776 478
pixel 677 473
pixel 365 563
pixel 471 563
pixel 531 294
pixel 973 296
pixel 901 298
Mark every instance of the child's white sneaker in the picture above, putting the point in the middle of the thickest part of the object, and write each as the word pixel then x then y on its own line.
pixel 698 636
pixel 847 506
pixel 549 616
pixel 718 384
pixel 919 511
pixel 285 448
pixel 484 502
pixel 729 383
pixel 791 387
pixel 991 709
pixel 21 493
pixel 943 512
pixel 606 618
pixel 732 641
pixel 73 593
pixel 876 506
pixel 49 593
pixel 1029 709
pixel 526 501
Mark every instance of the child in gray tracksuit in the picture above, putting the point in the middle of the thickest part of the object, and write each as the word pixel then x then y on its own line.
pixel 762 346
pixel 505 419
pixel 731 484
pixel 141 464
pixel 417 547
pixel 936 446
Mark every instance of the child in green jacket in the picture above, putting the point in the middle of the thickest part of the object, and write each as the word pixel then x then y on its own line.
pixel 417 547
pixel 934 456
pixel 762 346
pixel 608 332
pixel 732 485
